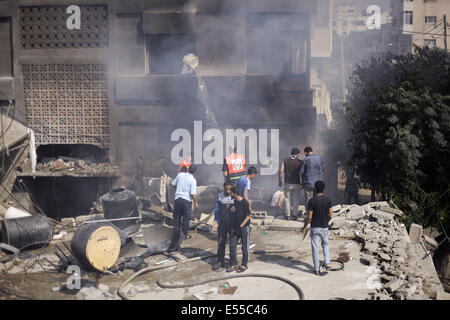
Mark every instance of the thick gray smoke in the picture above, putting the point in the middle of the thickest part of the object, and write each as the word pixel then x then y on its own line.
pixel 243 56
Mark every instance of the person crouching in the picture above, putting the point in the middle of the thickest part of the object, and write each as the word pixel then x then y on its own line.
pixel 240 228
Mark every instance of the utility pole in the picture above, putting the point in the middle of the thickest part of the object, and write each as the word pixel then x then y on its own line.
pixel 341 40
pixel 445 32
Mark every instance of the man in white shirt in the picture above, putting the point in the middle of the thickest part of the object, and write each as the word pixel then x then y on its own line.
pixel 186 190
pixel 278 199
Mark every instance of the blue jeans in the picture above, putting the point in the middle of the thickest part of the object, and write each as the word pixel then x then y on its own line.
pixel 315 234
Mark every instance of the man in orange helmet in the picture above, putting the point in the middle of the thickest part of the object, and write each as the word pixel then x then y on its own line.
pixel 185 164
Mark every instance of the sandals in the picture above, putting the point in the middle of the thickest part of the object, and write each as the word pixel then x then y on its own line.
pixel 232 268
pixel 242 269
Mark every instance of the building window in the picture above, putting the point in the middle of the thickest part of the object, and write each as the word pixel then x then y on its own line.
pixel 165 52
pixel 430 19
pixel 430 42
pixel 408 17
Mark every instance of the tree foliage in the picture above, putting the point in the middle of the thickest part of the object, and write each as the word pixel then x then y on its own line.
pixel 396 126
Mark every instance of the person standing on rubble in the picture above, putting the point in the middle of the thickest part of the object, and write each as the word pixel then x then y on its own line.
pixel 319 214
pixel 311 170
pixel 222 222
pixel 240 229
pixel 185 194
pixel 233 166
pixel 290 170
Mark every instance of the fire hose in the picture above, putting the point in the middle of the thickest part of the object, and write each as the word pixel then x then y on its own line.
pixel 300 294
pixel 124 296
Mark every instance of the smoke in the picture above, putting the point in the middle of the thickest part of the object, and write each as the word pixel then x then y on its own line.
pixel 251 77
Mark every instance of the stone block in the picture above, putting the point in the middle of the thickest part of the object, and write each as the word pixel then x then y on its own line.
pixel 415 233
pixel 356 213
pixel 393 285
pixel 388 209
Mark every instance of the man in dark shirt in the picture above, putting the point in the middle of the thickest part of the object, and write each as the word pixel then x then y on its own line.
pixel 319 214
pixel 311 170
pixel 290 170
pixel 222 222
pixel 240 228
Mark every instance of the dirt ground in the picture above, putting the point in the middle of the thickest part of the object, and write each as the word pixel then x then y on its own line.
pixel 351 283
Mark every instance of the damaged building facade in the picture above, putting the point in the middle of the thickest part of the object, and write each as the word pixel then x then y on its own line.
pixel 107 88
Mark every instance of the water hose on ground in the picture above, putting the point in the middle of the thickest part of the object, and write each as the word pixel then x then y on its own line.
pixel 252 275
pixel 123 295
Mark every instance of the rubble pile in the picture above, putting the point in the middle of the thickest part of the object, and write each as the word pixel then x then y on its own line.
pixel 386 247
pixel 60 164
pixel 69 166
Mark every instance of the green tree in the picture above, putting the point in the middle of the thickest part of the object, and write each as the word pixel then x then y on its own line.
pixel 396 127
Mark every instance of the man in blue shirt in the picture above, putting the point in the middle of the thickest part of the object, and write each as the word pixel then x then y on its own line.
pixel 311 170
pixel 244 182
pixel 186 190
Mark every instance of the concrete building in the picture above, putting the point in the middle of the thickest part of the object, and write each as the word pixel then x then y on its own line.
pixel 419 22
pixel 112 85
pixel 347 18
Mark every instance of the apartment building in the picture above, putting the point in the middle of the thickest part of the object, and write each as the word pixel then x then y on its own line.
pixel 420 23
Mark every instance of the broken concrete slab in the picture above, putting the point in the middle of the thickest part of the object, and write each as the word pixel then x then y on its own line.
pixel 415 233
pixel 380 215
pixel 371 247
pixel 356 213
pixel 393 285
pixel 430 241
pixel 388 209
pixel 384 256
pixel 341 222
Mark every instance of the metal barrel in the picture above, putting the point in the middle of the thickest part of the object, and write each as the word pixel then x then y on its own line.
pixel 27 232
pixel 96 246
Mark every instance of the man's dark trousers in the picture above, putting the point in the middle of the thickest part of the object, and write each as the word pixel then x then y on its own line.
pixel 182 214
pixel 244 235
pixel 224 232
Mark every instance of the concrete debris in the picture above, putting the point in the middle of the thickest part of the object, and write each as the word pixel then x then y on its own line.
pixel 356 213
pixel 415 233
pixel 336 208
pixel 93 293
pixel 206 294
pixel 387 246
pixel 69 222
pixel 259 214
pixel 394 211
pixel 394 285
pixel 430 241
pixel 72 166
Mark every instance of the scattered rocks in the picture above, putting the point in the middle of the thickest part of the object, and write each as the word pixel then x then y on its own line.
pixel 387 246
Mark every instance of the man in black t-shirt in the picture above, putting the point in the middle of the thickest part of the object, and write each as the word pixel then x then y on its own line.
pixel 240 228
pixel 319 214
